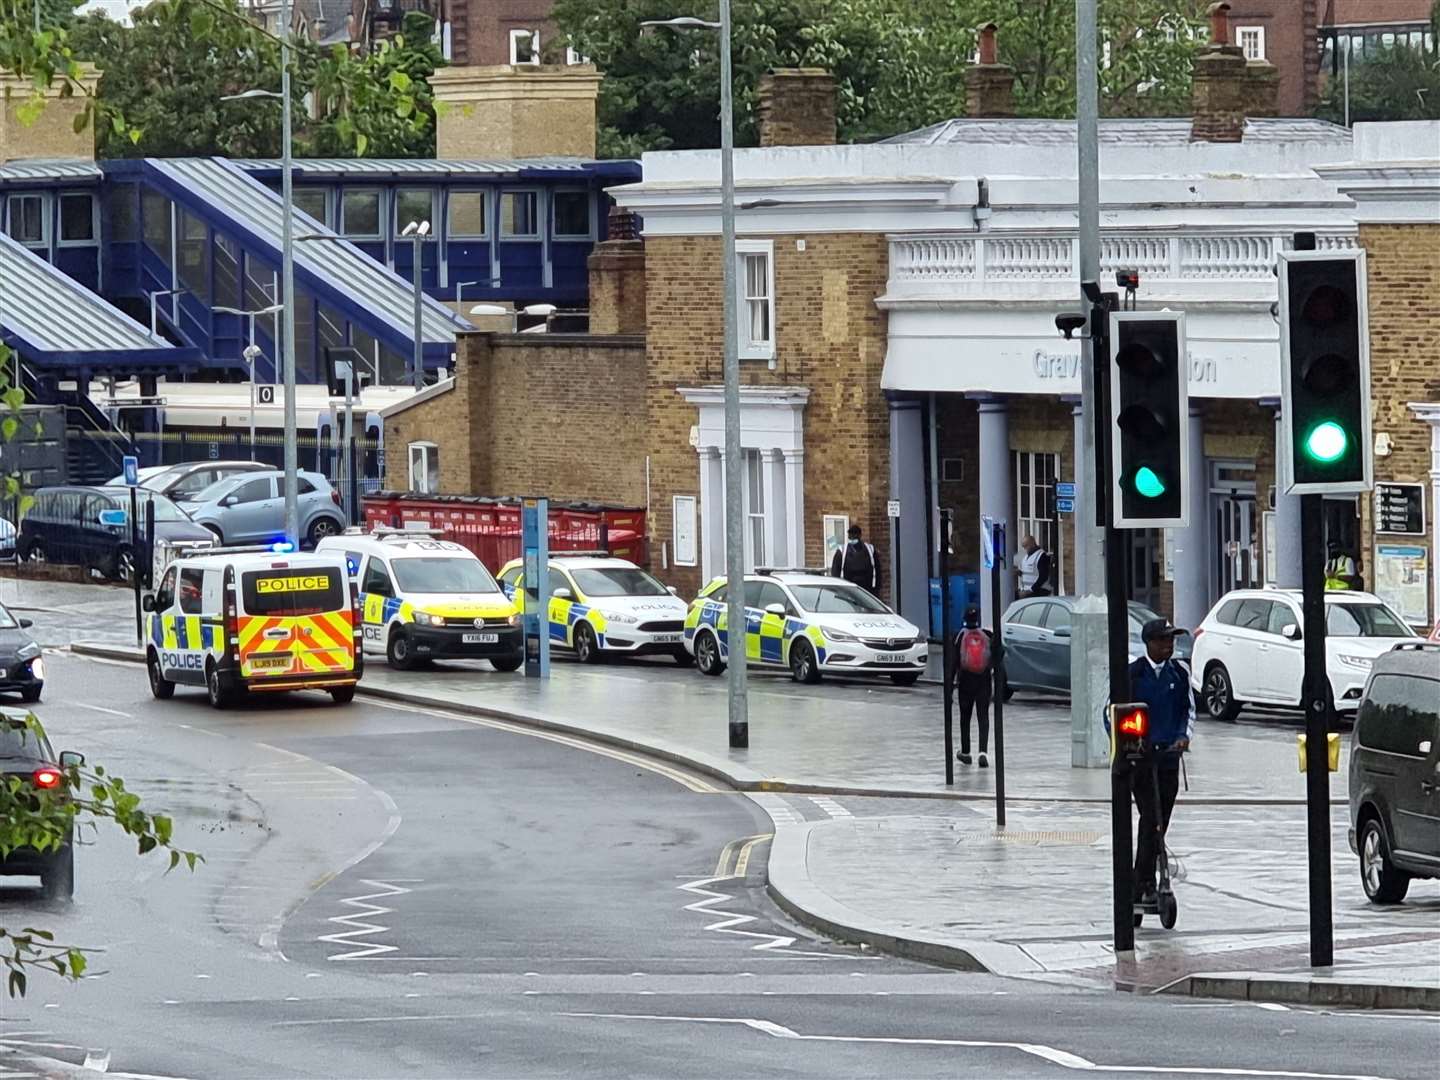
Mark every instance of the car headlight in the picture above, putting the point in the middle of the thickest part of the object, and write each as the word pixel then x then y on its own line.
pixel 28 651
pixel 37 669
pixel 424 618
pixel 837 635
pixel 514 620
pixel 1362 662
pixel 619 617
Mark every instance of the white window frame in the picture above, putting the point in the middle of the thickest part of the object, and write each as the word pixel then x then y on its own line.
pixel 46 210
pixel 428 452
pixel 573 57
pixel 517 36
pixel 834 531
pixel 379 233
pixel 750 349
pixel 1257 35
pixel 398 226
pixel 505 233
pixel 1038 492
pixel 451 233
pixel 757 548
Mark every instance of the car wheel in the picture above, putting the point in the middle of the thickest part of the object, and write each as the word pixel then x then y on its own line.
pixel 587 648
pixel 707 654
pixel 1009 692
pixel 507 663
pixel 401 650
pixel 1219 695
pixel 34 553
pixel 803 666
pixel 215 687
pixel 59 883
pixel 683 658
pixel 343 695
pixel 322 527
pixel 1383 882
pixel 215 532
pixel 31 694
pixel 160 687
pixel 1169 911
pixel 905 678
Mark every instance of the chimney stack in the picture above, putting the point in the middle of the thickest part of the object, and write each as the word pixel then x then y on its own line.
pixel 797 107
pixel 617 277
pixel 1220 85
pixel 515 111
pixel 989 84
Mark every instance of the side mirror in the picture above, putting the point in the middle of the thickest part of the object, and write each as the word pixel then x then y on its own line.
pixel 229 500
pixel 1424 748
pixel 148 603
pixel 71 759
pixel 775 609
pixel 1291 632
pixel 25 624
pixel 672 590
pixel 1062 631
pixel 562 593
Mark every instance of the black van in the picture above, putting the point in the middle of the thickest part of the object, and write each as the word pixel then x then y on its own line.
pixel 90 526
pixel 1395 773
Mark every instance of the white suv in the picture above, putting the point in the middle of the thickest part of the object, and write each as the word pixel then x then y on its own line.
pixel 1248 650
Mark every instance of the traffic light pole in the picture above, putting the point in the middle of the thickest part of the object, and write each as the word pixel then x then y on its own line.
pixel 947 652
pixel 1318 709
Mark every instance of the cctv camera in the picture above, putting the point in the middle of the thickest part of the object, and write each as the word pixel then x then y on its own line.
pixel 1068 322
pixel 252 352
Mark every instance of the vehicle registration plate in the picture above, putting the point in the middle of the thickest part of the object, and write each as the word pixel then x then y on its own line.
pixel 270 663
pixel 891 658
pixel 480 639
pixel 668 639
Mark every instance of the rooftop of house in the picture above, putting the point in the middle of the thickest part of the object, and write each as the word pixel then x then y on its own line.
pixel 1159 131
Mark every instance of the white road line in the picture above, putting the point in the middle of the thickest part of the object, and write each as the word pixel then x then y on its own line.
pixel 780 811
pixel 100 709
pixel 830 806
pixel 379 1019
pixel 729 919
pixel 359 927
pixel 1063 1058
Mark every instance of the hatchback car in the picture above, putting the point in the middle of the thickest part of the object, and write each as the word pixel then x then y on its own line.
pixel 1249 651
pixel 26 756
pixel 184 481
pixel 90 526
pixel 22 670
pixel 249 508
pixel 1395 773
pixel 1036 633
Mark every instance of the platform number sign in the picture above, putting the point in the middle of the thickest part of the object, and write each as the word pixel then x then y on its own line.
pixel 265 394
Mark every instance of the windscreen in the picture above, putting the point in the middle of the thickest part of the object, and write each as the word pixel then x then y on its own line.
pixel 837 600
pixel 293 592
pixel 427 574
pixel 7 621
pixel 617 581
pixel 1364 620
pixel 18 742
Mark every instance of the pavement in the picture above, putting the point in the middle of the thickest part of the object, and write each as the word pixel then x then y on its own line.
pixel 871 845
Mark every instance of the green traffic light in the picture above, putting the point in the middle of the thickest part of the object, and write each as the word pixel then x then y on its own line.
pixel 1326 442
pixel 1148 483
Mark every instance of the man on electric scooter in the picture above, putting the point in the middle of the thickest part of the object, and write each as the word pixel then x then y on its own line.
pixel 1163 683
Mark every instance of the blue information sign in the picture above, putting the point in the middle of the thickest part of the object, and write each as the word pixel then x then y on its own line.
pixel 1064 489
pixel 535 544
pixel 1065 506
pixel 132 469
pixel 114 518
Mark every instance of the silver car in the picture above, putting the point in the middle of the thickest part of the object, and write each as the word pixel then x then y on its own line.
pixel 184 481
pixel 1037 642
pixel 249 508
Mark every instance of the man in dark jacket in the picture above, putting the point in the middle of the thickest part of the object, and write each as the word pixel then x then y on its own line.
pixel 1163 683
pixel 857 564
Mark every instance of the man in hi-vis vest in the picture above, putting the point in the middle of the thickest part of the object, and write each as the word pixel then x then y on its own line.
pixel 1339 569
pixel 857 564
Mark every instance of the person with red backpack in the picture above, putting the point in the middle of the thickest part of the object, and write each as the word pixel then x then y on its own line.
pixel 973 672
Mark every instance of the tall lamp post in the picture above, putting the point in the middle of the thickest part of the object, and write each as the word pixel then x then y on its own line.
pixel 417 231
pixel 739 712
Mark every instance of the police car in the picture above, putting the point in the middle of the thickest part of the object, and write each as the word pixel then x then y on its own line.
pixel 809 623
pixel 424 599
pixel 602 605
pixel 245 620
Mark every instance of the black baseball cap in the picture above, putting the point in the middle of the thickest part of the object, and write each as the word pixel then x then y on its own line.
pixel 1159 628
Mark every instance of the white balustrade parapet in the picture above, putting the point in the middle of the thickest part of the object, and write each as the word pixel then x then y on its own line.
pixel 925 265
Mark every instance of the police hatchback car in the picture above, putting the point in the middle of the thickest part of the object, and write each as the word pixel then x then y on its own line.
pixel 427 599
pixel 809 623
pixel 601 605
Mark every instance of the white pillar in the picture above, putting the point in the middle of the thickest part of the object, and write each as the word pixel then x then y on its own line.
pixel 777 553
pixel 1078 523
pixel 1287 520
pixel 712 513
pixel 996 496
pixel 1192 547
pixel 907 486
pixel 794 465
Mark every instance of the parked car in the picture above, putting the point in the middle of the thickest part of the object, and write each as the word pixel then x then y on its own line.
pixel 22 671
pixel 1395 773
pixel 25 755
pixel 249 508
pixel 184 481
pixel 90 526
pixel 1036 633
pixel 7 539
pixel 1248 650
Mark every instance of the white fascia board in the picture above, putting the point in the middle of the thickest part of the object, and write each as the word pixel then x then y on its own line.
pixel 1399 193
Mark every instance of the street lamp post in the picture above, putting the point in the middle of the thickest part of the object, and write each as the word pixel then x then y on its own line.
pixel 739 712
pixel 417 231
pixel 251 354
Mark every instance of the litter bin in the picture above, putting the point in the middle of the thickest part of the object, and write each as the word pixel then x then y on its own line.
pixel 964 589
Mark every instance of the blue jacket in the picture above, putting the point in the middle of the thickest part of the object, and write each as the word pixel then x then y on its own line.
pixel 1167 692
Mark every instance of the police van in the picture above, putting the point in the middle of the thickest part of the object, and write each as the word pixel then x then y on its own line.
pixel 239 620
pixel 601 605
pixel 422 598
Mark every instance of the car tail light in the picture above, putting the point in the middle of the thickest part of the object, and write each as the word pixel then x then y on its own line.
pixel 1194 638
pixel 46 778
pixel 335 496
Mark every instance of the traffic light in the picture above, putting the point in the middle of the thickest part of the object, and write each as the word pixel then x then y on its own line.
pixel 1325 371
pixel 1149 419
pixel 337 359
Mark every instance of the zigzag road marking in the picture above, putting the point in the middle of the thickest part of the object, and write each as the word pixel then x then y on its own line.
pixel 729 919
pixel 359 927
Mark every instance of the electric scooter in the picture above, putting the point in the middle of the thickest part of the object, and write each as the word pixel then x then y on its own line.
pixel 1164 904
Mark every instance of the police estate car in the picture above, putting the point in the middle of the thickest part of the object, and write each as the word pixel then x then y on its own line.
pixel 809 623
pixel 601 605
pixel 427 599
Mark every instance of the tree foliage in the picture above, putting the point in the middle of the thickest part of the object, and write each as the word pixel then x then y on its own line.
pixel 899 64
pixel 43 819
pixel 1398 83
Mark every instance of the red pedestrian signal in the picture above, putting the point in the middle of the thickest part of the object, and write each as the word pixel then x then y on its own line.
pixel 1131 721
